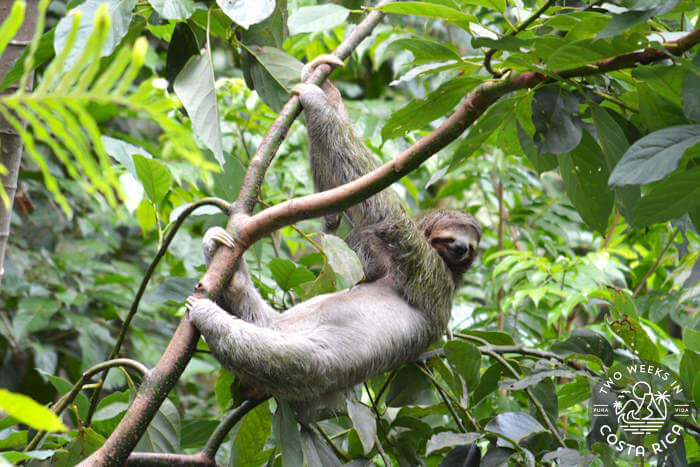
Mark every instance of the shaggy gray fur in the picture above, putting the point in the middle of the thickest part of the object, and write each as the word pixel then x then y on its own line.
pixel 331 342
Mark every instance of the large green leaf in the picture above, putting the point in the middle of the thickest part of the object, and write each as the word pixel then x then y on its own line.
pixel 430 10
pixel 669 199
pixel 271 72
pixel 163 433
pixel 286 430
pixel 515 426
pixel 555 116
pixel 585 176
pixel 420 112
pixel 288 275
pixel 247 12
pixel 364 423
pixel 120 13
pixel 465 360
pixel 494 117
pixel 654 156
pixel 317 18
pixel 249 443
pixel 154 176
pixel 194 86
pixel 30 412
pixel 173 9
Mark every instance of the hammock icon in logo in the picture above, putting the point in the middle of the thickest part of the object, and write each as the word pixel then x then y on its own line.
pixel 641 411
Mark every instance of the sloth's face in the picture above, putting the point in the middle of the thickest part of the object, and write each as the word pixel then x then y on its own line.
pixel 455 237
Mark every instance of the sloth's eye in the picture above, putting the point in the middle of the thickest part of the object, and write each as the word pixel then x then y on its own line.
pixel 442 241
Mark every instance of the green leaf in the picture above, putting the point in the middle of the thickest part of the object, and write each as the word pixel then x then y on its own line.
pixel 364 423
pixel 342 259
pixel 656 111
pixel 410 387
pixel 573 393
pixel 43 53
pixel 249 443
pixel 172 289
pixel 288 275
pixel 541 162
pixel 654 156
pixel 196 432
pixel 163 433
pixel 173 9
pixel 124 152
pixel 491 120
pixel 689 369
pixel 446 439
pixel 222 388
pixel 427 51
pixel 669 199
pixel 183 45
pixel 465 360
pixel 29 412
pixel 247 12
pixel 194 86
pixel 696 389
pixel 271 72
pixel 624 21
pixel 317 453
pixel 555 116
pixel 12 23
pixel 120 13
pixel 420 112
pixel 583 342
pixel 585 175
pixel 317 18
pixel 430 10
pixel 154 176
pixel 513 425
pixel 631 331
pixel 691 339
pixel 492 337
pixel 286 429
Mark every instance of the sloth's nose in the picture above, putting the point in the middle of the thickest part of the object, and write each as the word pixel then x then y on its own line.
pixel 459 249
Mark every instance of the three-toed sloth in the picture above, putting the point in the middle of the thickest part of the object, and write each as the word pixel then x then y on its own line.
pixel 331 342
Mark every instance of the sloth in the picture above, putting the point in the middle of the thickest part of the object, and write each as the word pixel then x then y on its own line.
pixel 313 352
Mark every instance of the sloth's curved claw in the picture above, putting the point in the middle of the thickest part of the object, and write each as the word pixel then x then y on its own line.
pixel 219 235
pixel 328 59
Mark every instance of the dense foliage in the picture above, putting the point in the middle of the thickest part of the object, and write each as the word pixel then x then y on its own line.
pixel 588 188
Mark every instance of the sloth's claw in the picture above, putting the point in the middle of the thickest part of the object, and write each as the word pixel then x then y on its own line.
pixel 328 59
pixel 220 235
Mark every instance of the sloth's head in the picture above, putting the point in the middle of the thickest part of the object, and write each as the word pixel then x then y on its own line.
pixel 454 235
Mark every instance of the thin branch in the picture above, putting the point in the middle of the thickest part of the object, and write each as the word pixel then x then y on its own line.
pixel 656 263
pixel 608 235
pixel 219 434
pixel 155 459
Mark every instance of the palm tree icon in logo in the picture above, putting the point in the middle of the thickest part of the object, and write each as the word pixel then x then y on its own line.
pixel 640 411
